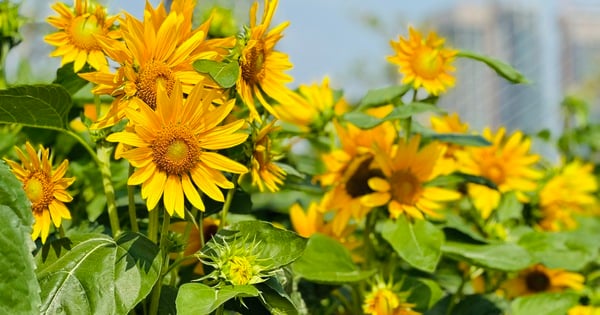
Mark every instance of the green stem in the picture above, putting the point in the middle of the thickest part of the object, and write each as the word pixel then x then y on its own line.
pixel 228 201
pixel 153 224
pixel 408 121
pixel 5 48
pixel 201 228
pixel 132 209
pixel 164 249
pixel 457 296
pixel 104 152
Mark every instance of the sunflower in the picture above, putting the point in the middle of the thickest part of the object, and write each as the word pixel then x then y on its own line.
pixel 45 188
pixel 424 61
pixel 262 68
pixel 158 50
pixel 383 299
pixel 506 162
pixel 537 279
pixel 171 148
pixel 584 310
pixel 449 124
pixel 264 172
pixel 404 173
pixel 312 106
pixel 568 192
pixel 79 32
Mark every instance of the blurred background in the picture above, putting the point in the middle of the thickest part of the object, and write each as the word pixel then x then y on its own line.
pixel 554 43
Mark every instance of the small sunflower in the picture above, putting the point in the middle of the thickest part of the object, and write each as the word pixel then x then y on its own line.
pixel 262 68
pixel 79 31
pixel 405 171
pixel 384 299
pixel 568 192
pixel 538 278
pixel 265 173
pixel 171 148
pixel 424 61
pixel 45 188
pixel 158 50
pixel 507 162
pixel 312 106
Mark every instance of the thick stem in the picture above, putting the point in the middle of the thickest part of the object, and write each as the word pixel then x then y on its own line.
pixel 153 224
pixel 164 249
pixel 104 152
pixel 132 208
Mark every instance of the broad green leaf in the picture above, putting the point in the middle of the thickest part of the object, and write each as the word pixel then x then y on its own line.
pixel 362 120
pixel 19 285
pixel 418 243
pixel 383 96
pixel 326 261
pixel 66 77
pixel 567 250
pixel 544 303
pixel 461 139
pixel 509 208
pixel 458 177
pixel 505 257
pixel 42 106
pixel 456 224
pixel 278 247
pixel 224 73
pixel 424 293
pixel 197 298
pixel 501 68
pixel 275 299
pixel 100 276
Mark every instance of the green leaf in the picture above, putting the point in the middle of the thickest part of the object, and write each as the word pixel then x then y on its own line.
pixel 418 243
pixel 545 303
pixel 501 68
pixel 325 260
pixel 197 298
pixel 383 96
pixel 224 73
pixel 275 299
pixel 461 139
pixel 470 304
pixel 505 257
pixel 362 120
pixel 424 293
pixel 278 247
pixel 510 208
pixel 455 222
pixel 20 287
pixel 41 106
pixel 100 275
pixel 66 77
pixel 458 177
pixel 366 121
pixel 567 250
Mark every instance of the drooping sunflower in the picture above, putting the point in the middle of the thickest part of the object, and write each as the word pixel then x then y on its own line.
pixel 424 62
pixel 173 146
pixel 158 50
pixel 262 68
pixel 507 162
pixel 538 278
pixel 404 173
pixel 264 172
pixel 312 106
pixel 78 34
pixel 45 187
pixel 568 192
pixel 384 299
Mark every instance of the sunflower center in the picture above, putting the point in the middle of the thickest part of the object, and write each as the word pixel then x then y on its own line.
pixel 406 187
pixel 175 150
pixel 150 76
pixel 252 63
pixel 428 63
pixel 537 281
pixel 495 173
pixel 82 32
pixel 385 302
pixel 358 183
pixel 239 270
pixel 38 188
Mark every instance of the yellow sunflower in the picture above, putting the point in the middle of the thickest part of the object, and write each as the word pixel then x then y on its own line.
pixel 507 163
pixel 265 173
pixel 383 299
pixel 45 188
pixel 312 107
pixel 402 184
pixel 570 191
pixel 424 61
pixel 584 310
pixel 79 31
pixel 158 50
pixel 449 124
pixel 262 68
pixel 537 279
pixel 172 148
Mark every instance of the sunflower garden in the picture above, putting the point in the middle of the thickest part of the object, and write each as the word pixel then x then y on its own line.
pixel 171 168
